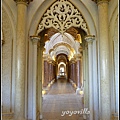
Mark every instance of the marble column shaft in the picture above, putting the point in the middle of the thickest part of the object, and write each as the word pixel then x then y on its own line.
pixel 86 80
pixel 45 74
pixel 90 39
pixel 40 52
pixel 73 72
pixel 49 72
pixel 20 60
pixel 78 73
pixel 35 42
pixel 104 60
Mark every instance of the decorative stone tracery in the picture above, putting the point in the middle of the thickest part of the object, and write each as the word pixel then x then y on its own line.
pixel 62 15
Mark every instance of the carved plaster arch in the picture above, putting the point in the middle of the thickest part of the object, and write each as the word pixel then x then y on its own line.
pixel 64 44
pixel 33 24
pixel 62 15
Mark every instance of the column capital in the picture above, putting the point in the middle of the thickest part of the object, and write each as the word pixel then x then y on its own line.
pixel 24 1
pixel 35 39
pixel 72 60
pixel 45 57
pixel 89 38
pixel 98 1
pixel 78 57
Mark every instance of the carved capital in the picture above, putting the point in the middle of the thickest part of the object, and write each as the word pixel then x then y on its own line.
pixel 25 1
pixel 72 61
pixel 35 39
pixel 45 57
pixel 78 56
pixel 89 38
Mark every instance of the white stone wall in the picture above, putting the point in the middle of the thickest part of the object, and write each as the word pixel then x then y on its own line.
pixel 6 63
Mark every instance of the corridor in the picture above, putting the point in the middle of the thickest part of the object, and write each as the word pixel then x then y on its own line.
pixel 61 99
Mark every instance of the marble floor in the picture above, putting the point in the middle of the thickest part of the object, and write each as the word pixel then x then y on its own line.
pixel 62 103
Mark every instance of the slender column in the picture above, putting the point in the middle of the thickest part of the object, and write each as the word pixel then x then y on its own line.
pixel 73 70
pixel 52 71
pixel 40 52
pixel 56 70
pixel 49 71
pixel 78 73
pixel 45 74
pixel 90 39
pixel 35 42
pixel 20 59
pixel 86 80
pixel 71 74
pixel 67 71
pixel 104 60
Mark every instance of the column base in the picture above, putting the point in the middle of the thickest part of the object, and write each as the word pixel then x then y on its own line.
pixel 84 117
pixel 78 91
pixel 41 117
pixel 44 90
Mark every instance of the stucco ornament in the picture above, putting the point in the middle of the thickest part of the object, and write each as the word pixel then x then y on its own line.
pixel 62 15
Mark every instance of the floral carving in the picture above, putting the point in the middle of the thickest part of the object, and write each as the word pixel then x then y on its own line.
pixel 62 15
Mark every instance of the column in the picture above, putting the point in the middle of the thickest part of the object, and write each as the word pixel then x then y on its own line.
pixel 67 76
pixel 40 57
pixel 90 39
pixel 78 73
pixel 86 79
pixel 20 59
pixel 104 59
pixel 73 70
pixel 49 71
pixel 45 73
pixel 35 42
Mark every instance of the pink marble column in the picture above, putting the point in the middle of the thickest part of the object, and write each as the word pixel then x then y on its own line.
pixel 45 74
pixel 79 72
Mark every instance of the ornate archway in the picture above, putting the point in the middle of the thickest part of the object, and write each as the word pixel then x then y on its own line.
pixel 62 15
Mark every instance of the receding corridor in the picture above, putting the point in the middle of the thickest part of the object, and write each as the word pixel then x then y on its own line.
pixel 61 97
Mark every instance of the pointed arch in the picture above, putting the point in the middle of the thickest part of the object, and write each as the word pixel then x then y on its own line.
pixel 77 3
